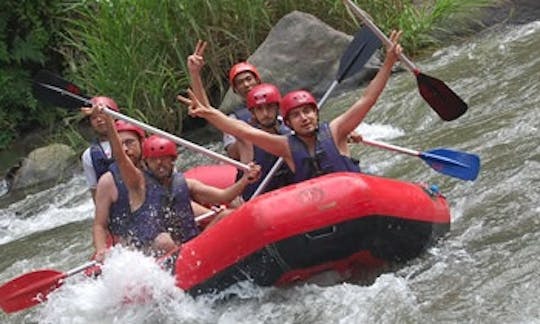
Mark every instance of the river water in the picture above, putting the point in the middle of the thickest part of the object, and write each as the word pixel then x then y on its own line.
pixel 484 271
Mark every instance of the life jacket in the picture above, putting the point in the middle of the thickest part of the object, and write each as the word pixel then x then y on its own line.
pixel 327 158
pixel 266 160
pixel 119 212
pixel 162 211
pixel 100 161
pixel 242 112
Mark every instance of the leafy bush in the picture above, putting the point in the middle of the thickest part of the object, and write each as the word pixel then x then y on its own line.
pixel 135 50
pixel 27 30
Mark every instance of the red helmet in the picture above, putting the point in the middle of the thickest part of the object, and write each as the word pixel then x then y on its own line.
pixel 122 126
pixel 157 146
pixel 295 99
pixel 106 101
pixel 264 93
pixel 242 67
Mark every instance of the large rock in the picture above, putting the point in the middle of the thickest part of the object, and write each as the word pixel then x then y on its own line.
pixel 300 52
pixel 45 165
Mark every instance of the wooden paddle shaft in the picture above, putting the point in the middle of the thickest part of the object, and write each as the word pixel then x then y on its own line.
pixel 390 147
pixel 178 140
pixel 154 130
pixel 365 18
pixel 81 268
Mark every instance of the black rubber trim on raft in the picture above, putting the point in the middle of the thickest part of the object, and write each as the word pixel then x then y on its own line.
pixel 388 238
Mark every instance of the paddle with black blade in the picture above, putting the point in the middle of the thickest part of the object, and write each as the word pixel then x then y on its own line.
pixel 359 51
pixel 446 103
pixel 450 162
pixel 55 90
pixel 32 288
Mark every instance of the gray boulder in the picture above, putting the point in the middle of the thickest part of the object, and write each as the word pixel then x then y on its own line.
pixel 45 165
pixel 301 52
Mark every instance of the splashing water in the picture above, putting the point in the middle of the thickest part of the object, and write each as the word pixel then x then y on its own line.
pixel 484 271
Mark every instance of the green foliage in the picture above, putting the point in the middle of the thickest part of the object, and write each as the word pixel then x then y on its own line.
pixel 26 31
pixel 135 50
pixel 424 23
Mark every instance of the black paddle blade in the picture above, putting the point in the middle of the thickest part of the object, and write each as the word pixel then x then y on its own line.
pixel 440 97
pixel 50 88
pixel 362 47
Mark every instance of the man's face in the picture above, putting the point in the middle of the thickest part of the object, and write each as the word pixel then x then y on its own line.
pixel 243 82
pixel 303 120
pixel 266 114
pixel 131 145
pixel 161 167
pixel 97 121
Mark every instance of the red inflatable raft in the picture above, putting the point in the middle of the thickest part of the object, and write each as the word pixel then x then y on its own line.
pixel 339 221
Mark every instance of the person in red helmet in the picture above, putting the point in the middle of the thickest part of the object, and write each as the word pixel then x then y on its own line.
pixel 157 214
pixel 314 148
pixel 112 198
pixel 243 76
pixel 262 103
pixel 97 157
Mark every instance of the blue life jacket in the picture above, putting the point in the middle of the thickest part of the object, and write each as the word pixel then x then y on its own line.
pixel 242 112
pixel 327 158
pixel 119 212
pixel 162 211
pixel 181 223
pixel 266 160
pixel 100 161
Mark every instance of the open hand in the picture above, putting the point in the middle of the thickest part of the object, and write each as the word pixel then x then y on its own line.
pixel 195 61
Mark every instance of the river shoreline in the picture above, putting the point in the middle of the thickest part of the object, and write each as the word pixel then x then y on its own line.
pixel 509 12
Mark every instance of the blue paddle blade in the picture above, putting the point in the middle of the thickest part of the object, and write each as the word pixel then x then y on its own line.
pixel 453 163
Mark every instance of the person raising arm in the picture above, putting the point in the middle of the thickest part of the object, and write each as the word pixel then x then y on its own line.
pixel 314 148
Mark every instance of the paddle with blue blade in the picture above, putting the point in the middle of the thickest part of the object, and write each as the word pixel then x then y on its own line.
pixel 359 51
pixel 446 103
pixel 32 288
pixel 57 91
pixel 450 162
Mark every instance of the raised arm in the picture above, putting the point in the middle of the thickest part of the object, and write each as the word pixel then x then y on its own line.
pixel 131 175
pixel 206 194
pixel 274 144
pixel 195 63
pixel 344 124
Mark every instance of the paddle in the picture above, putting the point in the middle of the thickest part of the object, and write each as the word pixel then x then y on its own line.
pixel 454 163
pixel 32 288
pixel 359 51
pixel 209 214
pixel 53 89
pixel 446 103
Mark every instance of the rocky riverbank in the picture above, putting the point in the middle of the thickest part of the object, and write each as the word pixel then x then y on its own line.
pixel 296 54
